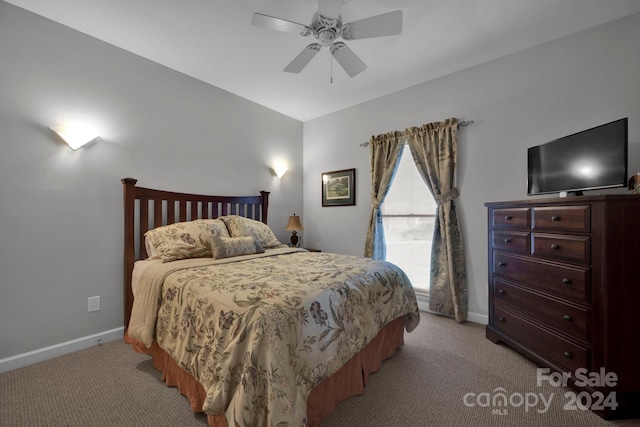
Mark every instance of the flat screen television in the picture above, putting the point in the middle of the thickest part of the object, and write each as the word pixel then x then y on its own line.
pixel 589 160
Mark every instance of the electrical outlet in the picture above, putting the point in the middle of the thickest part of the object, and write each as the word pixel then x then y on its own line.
pixel 94 303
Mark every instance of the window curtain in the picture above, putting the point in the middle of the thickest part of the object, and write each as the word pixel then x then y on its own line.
pixel 385 153
pixel 434 150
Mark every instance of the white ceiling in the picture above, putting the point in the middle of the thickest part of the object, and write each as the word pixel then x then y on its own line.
pixel 214 41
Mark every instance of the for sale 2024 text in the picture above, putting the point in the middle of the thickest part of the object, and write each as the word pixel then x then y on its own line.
pixel 584 400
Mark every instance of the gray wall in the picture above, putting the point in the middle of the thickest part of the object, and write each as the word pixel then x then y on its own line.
pixel 517 101
pixel 61 211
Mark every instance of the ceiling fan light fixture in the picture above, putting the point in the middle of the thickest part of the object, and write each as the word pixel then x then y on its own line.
pixel 326 37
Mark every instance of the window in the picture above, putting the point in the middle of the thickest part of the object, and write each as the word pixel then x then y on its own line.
pixel 408 217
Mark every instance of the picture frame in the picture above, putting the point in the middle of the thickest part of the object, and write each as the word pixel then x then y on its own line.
pixel 339 188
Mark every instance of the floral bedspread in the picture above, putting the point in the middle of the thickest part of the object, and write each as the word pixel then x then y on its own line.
pixel 261 333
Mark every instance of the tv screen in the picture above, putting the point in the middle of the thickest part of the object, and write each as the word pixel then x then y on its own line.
pixel 588 160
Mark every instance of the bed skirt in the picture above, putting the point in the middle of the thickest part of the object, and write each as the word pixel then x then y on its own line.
pixel 349 381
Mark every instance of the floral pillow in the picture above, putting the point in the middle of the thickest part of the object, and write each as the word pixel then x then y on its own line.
pixel 239 226
pixel 184 239
pixel 225 247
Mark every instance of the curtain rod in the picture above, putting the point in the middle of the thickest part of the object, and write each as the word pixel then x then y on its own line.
pixel 462 123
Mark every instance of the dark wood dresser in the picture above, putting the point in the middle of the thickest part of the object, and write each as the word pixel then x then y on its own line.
pixel 564 291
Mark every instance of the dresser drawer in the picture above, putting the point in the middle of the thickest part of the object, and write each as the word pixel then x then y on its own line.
pixel 559 280
pixel 569 218
pixel 516 241
pixel 567 355
pixel 557 246
pixel 511 218
pixel 568 319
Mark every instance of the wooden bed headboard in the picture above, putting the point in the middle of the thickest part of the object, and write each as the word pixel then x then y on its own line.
pixel 145 209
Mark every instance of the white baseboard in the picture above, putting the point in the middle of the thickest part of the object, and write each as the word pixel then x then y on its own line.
pixel 46 353
pixel 482 319
pixel 423 305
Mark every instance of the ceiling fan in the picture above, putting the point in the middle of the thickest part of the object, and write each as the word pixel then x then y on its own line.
pixel 326 26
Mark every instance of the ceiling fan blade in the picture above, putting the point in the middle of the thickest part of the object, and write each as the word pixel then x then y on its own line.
pixel 387 24
pixel 303 58
pixel 279 24
pixel 329 8
pixel 347 59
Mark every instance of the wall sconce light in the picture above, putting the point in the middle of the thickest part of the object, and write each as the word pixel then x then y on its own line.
pixel 75 135
pixel 279 170
pixel 294 225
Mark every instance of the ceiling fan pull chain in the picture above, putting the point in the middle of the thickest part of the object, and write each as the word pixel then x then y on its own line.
pixel 331 61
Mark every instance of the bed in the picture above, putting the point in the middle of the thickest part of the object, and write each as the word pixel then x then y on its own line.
pixel 252 332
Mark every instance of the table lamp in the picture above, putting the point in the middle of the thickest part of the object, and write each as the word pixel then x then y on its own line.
pixel 293 226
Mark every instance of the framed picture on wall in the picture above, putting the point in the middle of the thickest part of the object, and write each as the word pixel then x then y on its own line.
pixel 339 188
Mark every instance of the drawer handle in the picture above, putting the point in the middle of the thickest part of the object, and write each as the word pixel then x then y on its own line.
pixel 508 218
pixel 554 246
pixel 501 291
pixel 507 240
pixel 555 218
pixel 502 264
pixel 566 281
pixel 568 355
pixel 567 317
pixel 502 319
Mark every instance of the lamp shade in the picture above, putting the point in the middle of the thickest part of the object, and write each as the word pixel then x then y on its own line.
pixel 279 170
pixel 75 135
pixel 294 224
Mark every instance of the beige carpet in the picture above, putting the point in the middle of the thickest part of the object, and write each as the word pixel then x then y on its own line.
pixel 423 385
